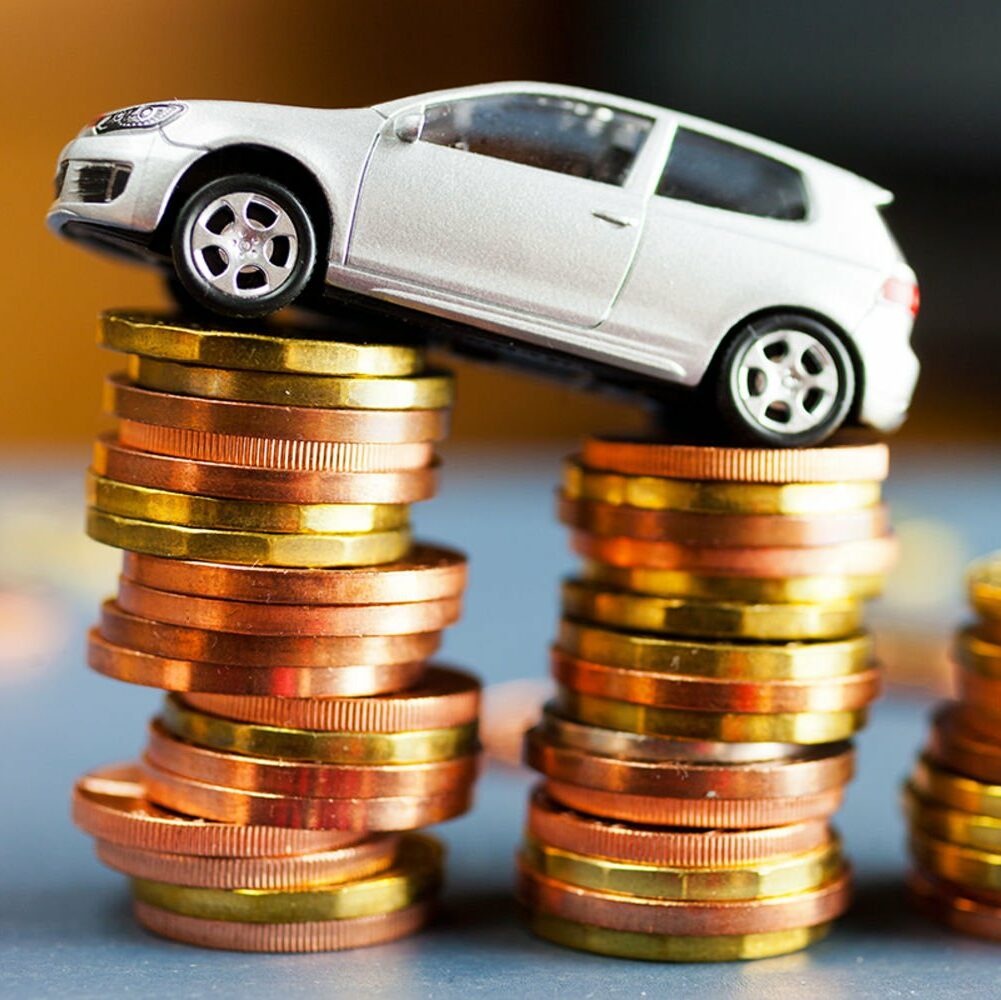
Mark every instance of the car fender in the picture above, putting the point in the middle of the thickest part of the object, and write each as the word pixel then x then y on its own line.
pixel 332 146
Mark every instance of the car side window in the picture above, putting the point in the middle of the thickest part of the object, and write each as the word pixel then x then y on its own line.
pixel 554 133
pixel 710 171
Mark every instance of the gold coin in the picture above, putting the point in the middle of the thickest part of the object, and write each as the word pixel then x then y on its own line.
pixel 157 337
pixel 735 727
pixel 190 510
pixel 416 873
pixel 955 791
pixel 954 825
pixel 779 877
pixel 710 620
pixel 960 865
pixel 756 590
pixel 247 547
pixel 431 391
pixel 983 581
pixel 672 947
pixel 740 661
pixel 976 653
pixel 414 747
pixel 655 493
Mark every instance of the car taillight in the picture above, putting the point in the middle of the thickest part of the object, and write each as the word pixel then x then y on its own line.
pixel 902 293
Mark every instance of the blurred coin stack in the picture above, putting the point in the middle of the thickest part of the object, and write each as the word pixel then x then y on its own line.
pixel 260 486
pixel 711 668
pixel 953 798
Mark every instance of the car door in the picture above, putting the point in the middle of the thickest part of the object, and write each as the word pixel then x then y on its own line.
pixel 519 201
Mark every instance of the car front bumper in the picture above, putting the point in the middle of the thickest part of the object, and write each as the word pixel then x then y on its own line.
pixel 889 365
pixel 153 166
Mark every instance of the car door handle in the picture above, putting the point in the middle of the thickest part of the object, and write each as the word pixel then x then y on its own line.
pixel 616 220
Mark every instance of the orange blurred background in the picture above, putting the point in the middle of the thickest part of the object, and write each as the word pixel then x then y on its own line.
pixel 65 62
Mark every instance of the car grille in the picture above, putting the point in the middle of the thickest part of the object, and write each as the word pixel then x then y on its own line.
pixel 100 182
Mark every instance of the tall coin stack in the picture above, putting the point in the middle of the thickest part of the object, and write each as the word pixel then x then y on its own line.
pixel 260 486
pixel 953 798
pixel 711 668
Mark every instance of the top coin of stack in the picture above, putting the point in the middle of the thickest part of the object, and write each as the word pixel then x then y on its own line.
pixel 260 485
pixel 953 798
pixel 710 668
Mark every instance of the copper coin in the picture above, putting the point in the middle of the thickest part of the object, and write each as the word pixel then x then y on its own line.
pixel 981 694
pixel 946 903
pixel 308 936
pixel 235 482
pixel 962 749
pixel 173 674
pixel 232 805
pixel 664 916
pixel 443 698
pixel 111 804
pixel 552 824
pixel 305 779
pixel 284 454
pixel 710 694
pixel 831 463
pixel 724 530
pixel 129 401
pixel 427 573
pixel 176 641
pixel 361 860
pixel 872 556
pixel 828 768
pixel 286 619
pixel 659 810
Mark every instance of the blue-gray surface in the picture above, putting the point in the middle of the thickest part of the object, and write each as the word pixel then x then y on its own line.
pixel 65 929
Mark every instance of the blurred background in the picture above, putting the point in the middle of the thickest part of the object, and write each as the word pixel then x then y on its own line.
pixel 906 93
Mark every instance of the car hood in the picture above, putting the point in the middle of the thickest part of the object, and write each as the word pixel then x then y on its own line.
pixel 205 124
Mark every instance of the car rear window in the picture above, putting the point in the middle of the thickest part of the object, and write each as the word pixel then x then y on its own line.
pixel 710 171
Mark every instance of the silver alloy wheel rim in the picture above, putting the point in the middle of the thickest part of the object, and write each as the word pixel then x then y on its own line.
pixel 244 244
pixel 786 382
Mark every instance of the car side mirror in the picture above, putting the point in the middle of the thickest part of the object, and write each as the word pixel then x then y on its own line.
pixel 408 126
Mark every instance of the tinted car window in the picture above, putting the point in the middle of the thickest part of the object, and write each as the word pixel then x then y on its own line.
pixel 710 171
pixel 568 136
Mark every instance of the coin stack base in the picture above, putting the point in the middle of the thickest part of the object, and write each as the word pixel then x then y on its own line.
pixel 711 668
pixel 260 486
pixel 953 797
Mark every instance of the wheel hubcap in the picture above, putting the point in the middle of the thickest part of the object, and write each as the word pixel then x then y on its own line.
pixel 786 381
pixel 244 244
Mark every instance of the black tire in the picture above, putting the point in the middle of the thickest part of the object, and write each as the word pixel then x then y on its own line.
pixel 816 384
pixel 274 272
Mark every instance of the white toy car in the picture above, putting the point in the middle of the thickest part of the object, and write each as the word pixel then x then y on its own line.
pixel 627 236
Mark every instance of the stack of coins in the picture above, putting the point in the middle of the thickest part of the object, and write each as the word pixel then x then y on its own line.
pixel 953 798
pixel 711 668
pixel 260 486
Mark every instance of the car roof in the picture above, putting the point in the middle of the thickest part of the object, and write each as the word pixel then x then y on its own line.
pixel 803 161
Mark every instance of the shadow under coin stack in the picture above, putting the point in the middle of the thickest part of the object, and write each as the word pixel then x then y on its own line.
pixel 953 798
pixel 711 668
pixel 260 487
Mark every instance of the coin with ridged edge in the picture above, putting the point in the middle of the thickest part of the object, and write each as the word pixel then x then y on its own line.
pixel 848 462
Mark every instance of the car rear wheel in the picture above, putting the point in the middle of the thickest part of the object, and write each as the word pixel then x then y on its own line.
pixel 243 246
pixel 785 380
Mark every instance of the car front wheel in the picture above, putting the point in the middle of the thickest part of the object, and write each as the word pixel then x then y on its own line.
pixel 243 246
pixel 785 380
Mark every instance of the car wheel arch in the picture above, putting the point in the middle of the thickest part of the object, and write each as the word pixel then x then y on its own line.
pixel 246 158
pixel 712 370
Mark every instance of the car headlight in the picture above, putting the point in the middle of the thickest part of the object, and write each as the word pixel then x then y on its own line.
pixel 138 116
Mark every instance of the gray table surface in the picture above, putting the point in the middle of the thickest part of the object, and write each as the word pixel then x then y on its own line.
pixel 65 928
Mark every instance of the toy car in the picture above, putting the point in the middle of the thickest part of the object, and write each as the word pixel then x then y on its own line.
pixel 563 220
